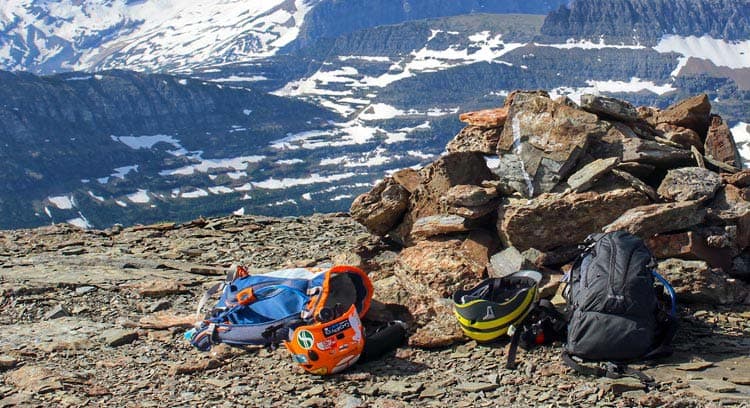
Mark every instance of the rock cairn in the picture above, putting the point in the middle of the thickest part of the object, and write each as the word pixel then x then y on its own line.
pixel 523 185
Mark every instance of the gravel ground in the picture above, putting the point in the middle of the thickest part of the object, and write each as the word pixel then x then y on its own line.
pixel 80 311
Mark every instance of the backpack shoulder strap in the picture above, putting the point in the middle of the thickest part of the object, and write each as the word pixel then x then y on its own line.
pixel 608 370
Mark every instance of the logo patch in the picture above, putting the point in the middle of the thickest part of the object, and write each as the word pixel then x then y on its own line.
pixel 490 313
pixel 336 328
pixel 305 339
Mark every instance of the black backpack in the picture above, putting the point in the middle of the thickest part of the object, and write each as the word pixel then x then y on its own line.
pixel 615 312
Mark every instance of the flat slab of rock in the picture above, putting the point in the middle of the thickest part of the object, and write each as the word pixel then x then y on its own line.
pixel 549 138
pixel 118 337
pixel 438 225
pixel 609 107
pixel 488 118
pixel 475 139
pixel 382 208
pixel 586 177
pixel 650 152
pixel 470 195
pixel 553 220
pixel 689 183
pixel 649 220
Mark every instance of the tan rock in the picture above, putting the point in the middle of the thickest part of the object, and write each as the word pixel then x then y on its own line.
pixel 408 179
pixel 157 288
pixel 442 265
pixel 649 152
pixel 696 282
pixel 730 206
pixel 689 183
pixel 475 139
pixel 470 196
pixel 689 245
pixel 649 220
pixel 35 379
pixel 488 118
pixel 741 179
pixel 433 225
pixel 587 176
pixel 720 143
pixel 680 135
pixel 382 208
pixel 553 220
pixel 692 113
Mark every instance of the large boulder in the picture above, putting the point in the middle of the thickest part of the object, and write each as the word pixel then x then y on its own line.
pixel 720 143
pixel 649 220
pixel 696 282
pixel 382 208
pixel 692 113
pixel 554 220
pixel 609 108
pixel 549 138
pixel 475 139
pixel 689 183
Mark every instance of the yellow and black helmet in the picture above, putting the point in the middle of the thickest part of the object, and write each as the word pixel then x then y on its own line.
pixel 488 310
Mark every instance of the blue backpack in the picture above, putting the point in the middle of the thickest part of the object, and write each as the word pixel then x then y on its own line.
pixel 261 309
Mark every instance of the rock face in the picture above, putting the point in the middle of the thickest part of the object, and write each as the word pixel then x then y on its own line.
pixel 649 220
pixel 552 221
pixel 549 138
pixel 720 144
pixel 382 208
pixel 689 183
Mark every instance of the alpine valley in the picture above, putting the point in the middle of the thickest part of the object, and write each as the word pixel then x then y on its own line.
pixel 139 111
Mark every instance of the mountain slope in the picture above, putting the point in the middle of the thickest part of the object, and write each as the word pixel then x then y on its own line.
pixel 154 35
pixel 647 21
pixel 179 36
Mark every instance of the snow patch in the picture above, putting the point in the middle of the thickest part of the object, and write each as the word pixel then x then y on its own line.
pixel 241 211
pixel 62 202
pixel 139 197
pixel 732 54
pixel 741 134
pixel 80 222
pixel 220 190
pixel 235 163
pixel 195 194
pixel 279 184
